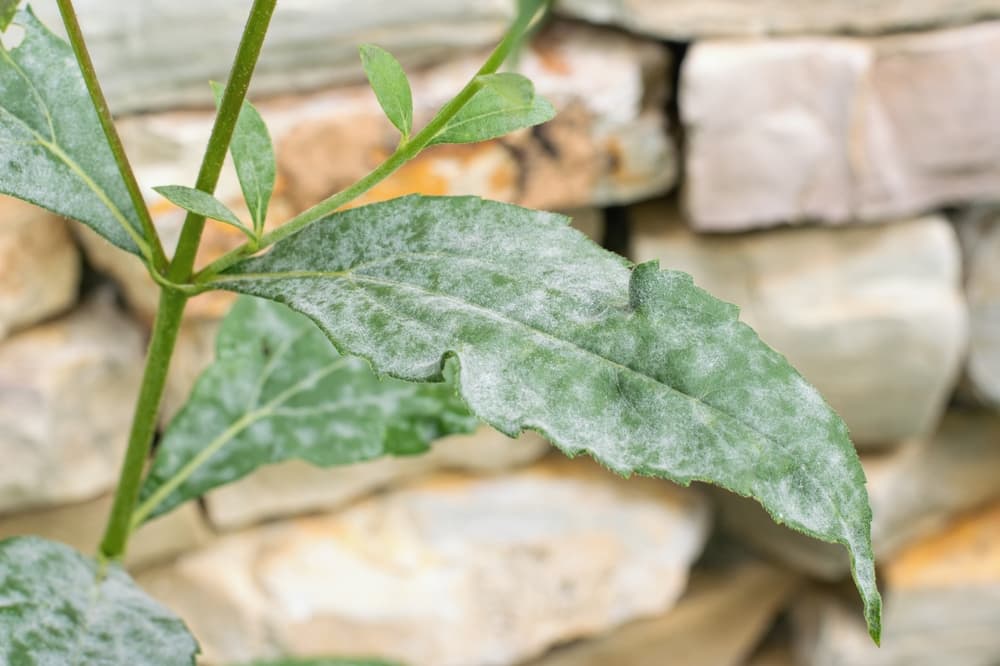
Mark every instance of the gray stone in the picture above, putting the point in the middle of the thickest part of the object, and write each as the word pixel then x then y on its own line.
pixel 914 492
pixel 979 231
pixel 872 316
pixel 39 265
pixel 455 570
pixel 838 130
pixel 295 487
pixel 160 54
pixel 67 390
pixel 693 19
pixel 81 525
pixel 942 606
pixel 718 622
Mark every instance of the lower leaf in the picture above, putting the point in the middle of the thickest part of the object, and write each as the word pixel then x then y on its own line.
pixel 59 607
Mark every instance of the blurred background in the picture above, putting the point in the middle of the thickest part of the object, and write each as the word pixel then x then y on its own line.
pixel 829 165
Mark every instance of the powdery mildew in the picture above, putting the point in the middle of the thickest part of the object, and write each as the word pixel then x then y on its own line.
pixel 636 366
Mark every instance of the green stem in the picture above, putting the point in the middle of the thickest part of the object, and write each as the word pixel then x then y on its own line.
pixel 172 301
pixel 161 347
pixel 222 133
pixel 403 154
pixel 156 257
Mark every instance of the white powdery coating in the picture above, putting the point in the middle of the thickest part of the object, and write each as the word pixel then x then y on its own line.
pixel 639 368
pixel 53 152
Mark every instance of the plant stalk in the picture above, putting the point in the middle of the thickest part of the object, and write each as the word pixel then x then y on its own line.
pixel 172 301
pixel 222 133
pixel 157 258
pixel 403 154
pixel 161 347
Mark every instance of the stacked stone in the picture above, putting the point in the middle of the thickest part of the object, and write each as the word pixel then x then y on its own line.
pixel 827 165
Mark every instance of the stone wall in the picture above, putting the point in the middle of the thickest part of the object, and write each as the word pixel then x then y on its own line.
pixel 831 166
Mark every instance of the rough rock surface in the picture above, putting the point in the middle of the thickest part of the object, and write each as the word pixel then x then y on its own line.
pixel 872 316
pixel 942 605
pixel 154 55
pixel 67 390
pixel 914 491
pixel 839 130
pixel 979 231
pixel 687 19
pixel 39 265
pixel 455 570
pixel 717 622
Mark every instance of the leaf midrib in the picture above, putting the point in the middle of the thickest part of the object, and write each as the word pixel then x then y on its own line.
pixel 351 276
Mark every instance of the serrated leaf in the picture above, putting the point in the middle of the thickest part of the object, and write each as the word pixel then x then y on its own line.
pixel 498 108
pixel 53 152
pixel 279 390
pixel 253 157
pixel 7 10
pixel 636 366
pixel 202 203
pixel 390 85
pixel 56 607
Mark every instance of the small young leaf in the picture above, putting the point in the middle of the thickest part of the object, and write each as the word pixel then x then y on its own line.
pixel 636 366
pixel 279 390
pixel 392 89
pixel 505 102
pixel 59 607
pixel 253 156
pixel 7 10
pixel 202 203
pixel 53 152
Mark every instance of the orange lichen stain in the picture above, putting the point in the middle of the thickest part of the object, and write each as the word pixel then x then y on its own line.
pixel 503 178
pixel 965 553
pixel 550 58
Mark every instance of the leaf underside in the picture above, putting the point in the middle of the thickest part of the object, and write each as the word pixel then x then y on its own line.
pixel 637 367
pixel 55 610
pixel 279 390
pixel 53 152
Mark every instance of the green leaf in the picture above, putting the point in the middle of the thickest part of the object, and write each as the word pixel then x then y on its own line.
pixel 279 390
pixel 504 103
pixel 202 203
pixel 636 366
pixel 56 607
pixel 392 89
pixel 53 152
pixel 7 10
pixel 253 156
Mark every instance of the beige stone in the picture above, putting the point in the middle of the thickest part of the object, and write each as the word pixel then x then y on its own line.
pixel 609 144
pixel 39 265
pixel 942 605
pixel 81 526
pixel 155 55
pixel 979 231
pixel 296 487
pixel 453 570
pixel 688 19
pixel 838 130
pixel 67 391
pixel 872 316
pixel 914 492
pixel 717 622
